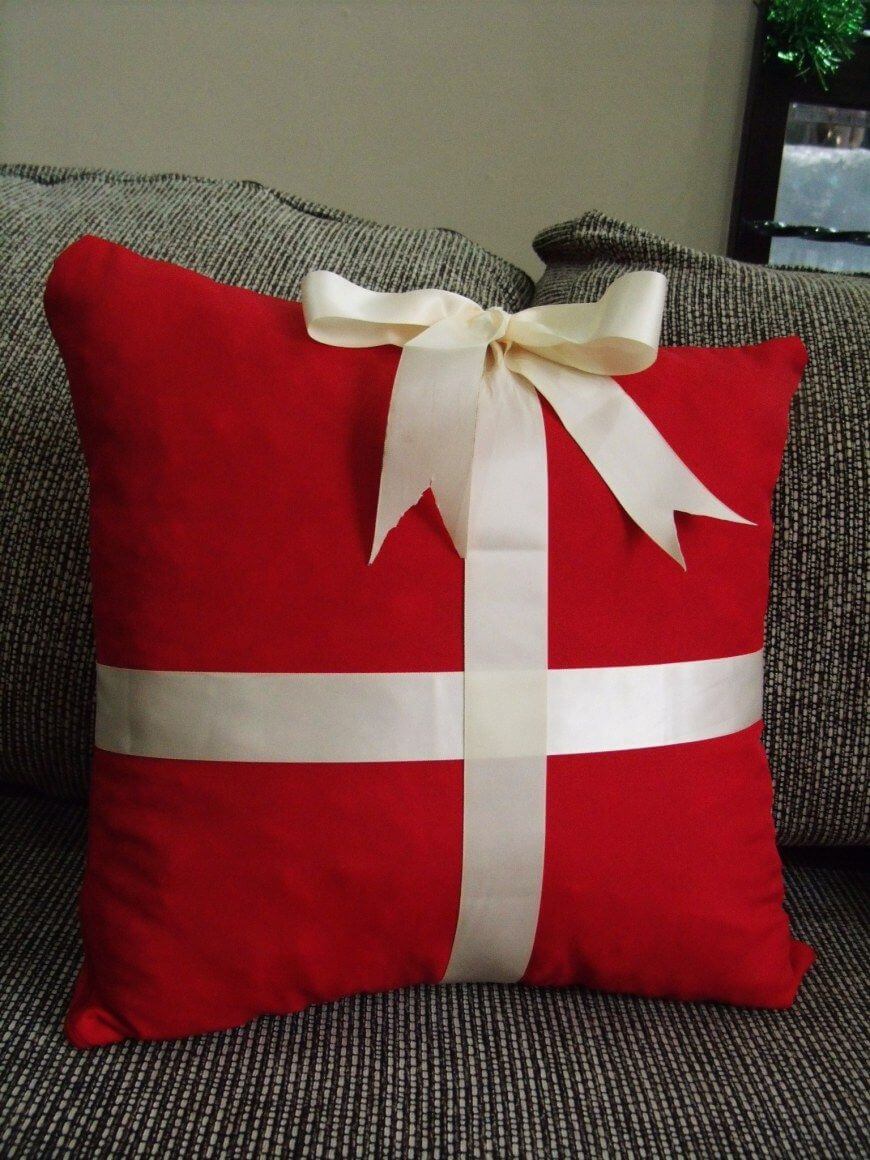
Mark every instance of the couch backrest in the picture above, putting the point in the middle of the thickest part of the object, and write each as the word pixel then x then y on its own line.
pixel 237 232
pixel 817 636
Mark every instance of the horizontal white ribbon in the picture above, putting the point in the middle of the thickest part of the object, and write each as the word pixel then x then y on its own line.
pixel 382 717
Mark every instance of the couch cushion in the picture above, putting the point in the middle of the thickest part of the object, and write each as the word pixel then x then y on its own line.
pixel 238 232
pixel 439 1071
pixel 817 635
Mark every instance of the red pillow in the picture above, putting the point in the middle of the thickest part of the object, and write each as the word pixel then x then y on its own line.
pixel 259 838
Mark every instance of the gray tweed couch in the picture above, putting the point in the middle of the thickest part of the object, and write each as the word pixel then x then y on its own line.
pixel 427 1072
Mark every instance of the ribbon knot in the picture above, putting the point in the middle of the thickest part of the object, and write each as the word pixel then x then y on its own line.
pixel 500 321
pixel 568 354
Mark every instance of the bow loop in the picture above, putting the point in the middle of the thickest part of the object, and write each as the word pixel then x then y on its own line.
pixel 340 313
pixel 617 335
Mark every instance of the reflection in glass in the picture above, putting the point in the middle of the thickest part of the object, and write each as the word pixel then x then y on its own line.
pixel 824 181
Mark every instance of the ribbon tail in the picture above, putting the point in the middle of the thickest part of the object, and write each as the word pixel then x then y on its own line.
pixel 406 468
pixel 454 426
pixel 645 474
pixel 430 435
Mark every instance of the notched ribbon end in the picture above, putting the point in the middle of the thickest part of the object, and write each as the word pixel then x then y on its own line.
pixel 458 535
pixel 727 514
pixel 378 540
pixel 670 542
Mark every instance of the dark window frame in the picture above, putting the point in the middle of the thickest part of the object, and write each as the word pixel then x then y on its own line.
pixel 772 88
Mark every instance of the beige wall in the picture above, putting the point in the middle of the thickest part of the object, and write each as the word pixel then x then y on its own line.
pixel 495 118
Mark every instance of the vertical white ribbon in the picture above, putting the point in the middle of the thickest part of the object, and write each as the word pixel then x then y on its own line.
pixel 505 731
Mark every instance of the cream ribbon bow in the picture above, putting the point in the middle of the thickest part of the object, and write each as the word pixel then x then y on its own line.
pixel 453 350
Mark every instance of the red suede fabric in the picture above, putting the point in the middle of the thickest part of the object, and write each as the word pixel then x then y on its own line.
pixel 234 470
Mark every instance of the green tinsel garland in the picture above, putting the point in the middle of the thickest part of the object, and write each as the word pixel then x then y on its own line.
pixel 813 35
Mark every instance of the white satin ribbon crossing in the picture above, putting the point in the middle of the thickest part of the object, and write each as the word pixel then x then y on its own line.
pixel 363 717
pixel 465 420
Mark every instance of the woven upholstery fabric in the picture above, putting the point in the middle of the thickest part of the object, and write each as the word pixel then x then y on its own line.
pixel 237 232
pixel 815 702
pixel 432 1071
